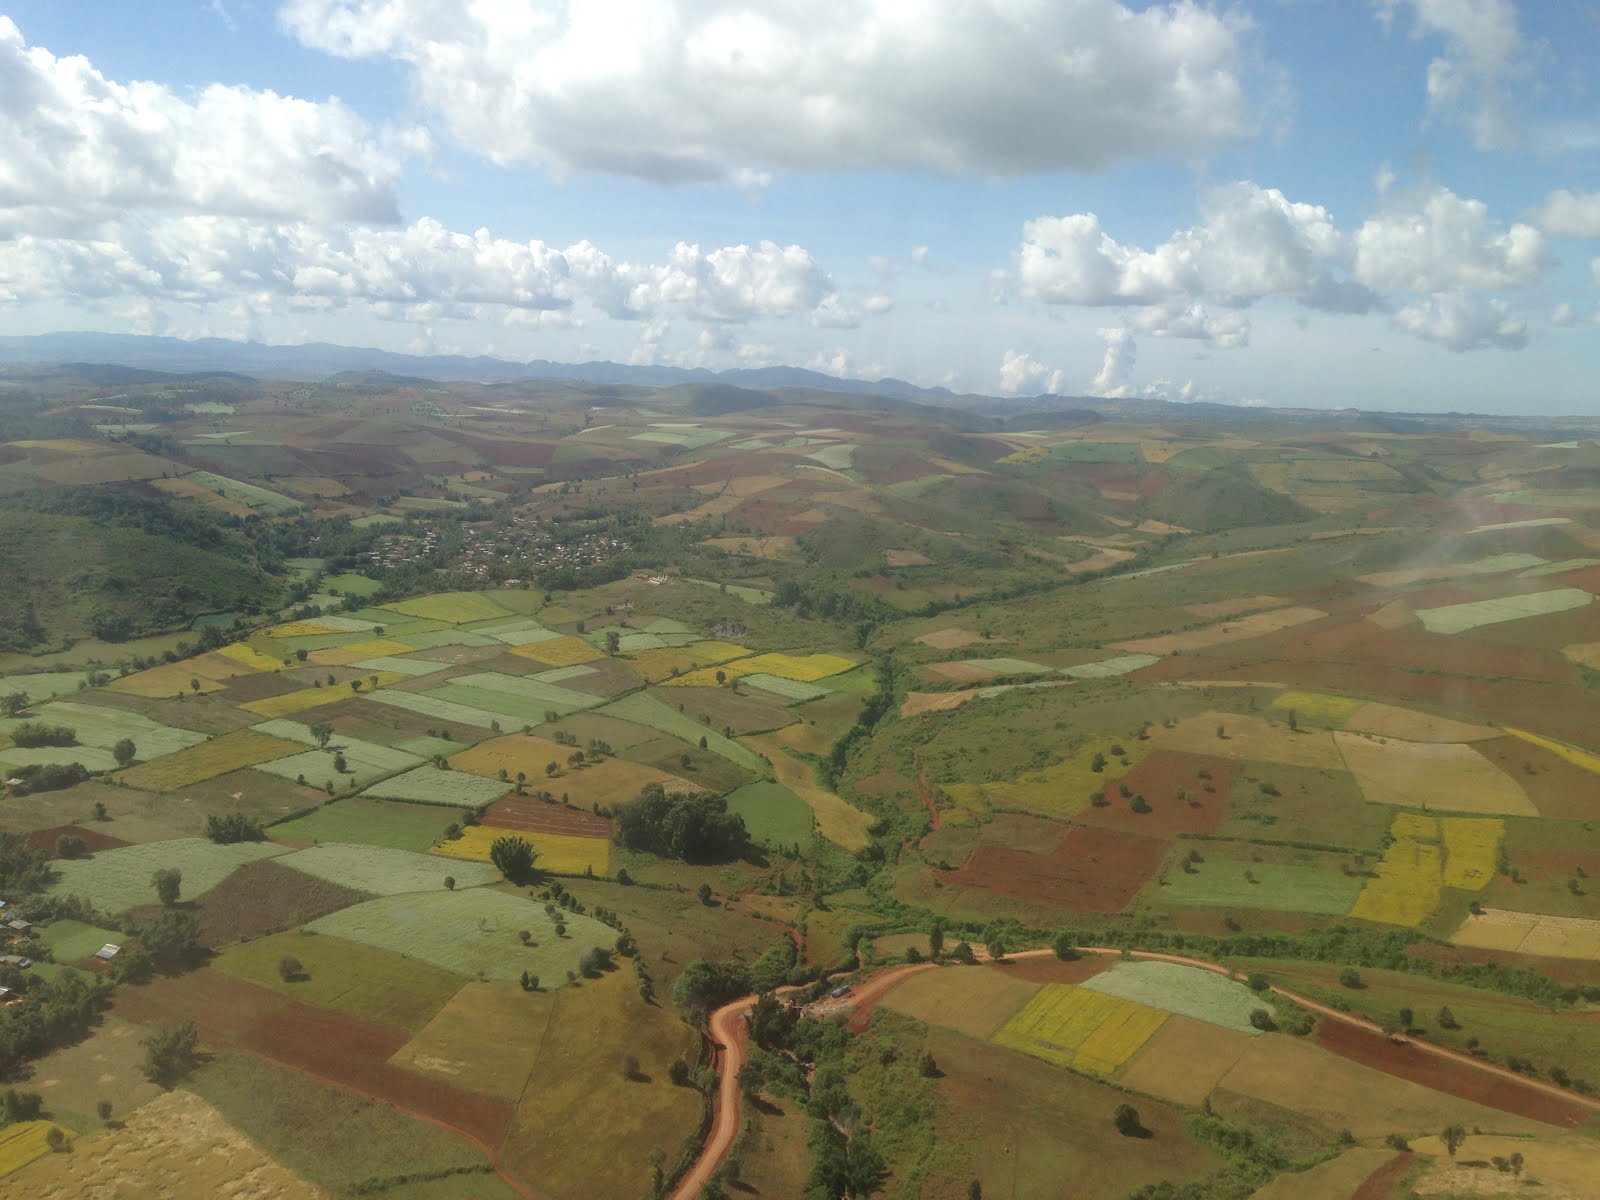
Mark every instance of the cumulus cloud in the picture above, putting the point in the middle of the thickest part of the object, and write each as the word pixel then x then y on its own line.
pixel 1252 242
pixel 1023 373
pixel 877 304
pixel 1446 243
pixel 1576 214
pixel 693 90
pixel 1228 330
pixel 832 314
pixel 1464 321
pixel 77 148
pixel 1117 366
pixel 1471 80
pixel 1563 315
pixel 423 271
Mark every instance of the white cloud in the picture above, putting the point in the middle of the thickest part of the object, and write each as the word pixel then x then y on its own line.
pixel 1117 366
pixel 841 364
pixel 1443 244
pixel 1563 315
pixel 877 304
pixel 1228 330
pixel 682 90
pixel 1464 321
pixel 77 148
pixel 1023 373
pixel 832 314
pixel 1576 214
pixel 420 272
pixel 1252 242
pixel 1471 79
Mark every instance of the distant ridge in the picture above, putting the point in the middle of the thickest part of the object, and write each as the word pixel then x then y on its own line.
pixel 320 360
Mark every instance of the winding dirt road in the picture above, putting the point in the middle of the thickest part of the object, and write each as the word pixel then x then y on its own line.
pixel 727 1029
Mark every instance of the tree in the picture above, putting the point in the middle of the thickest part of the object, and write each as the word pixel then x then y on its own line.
pixel 125 752
pixel 974 1190
pixel 101 812
pixel 1447 1019
pixel 169 1054
pixel 593 960
pixel 171 940
pixel 752 1078
pixel 936 939
pixel 1126 1119
pixel 1350 978
pixel 103 1111
pixel 1516 1164
pixel 1261 1019
pixel 704 892
pixel 678 1072
pixel 1066 948
pixel 322 731
pixel 613 641
pixel 722 678
pixel 1407 1018
pixel 13 703
pixel 234 827
pixel 355 685
pixel 963 953
pixel 301 655
pixel 1452 1136
pixel 928 1066
pixel 449 883
pixel 513 857
pixel 69 846
pixel 340 763
pixel 289 969
pixel 703 745
pixel 168 882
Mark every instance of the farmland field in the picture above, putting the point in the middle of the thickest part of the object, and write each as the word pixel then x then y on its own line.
pixel 647 710
pixel 1222 883
pixel 430 785
pixel 458 608
pixel 1185 1060
pixel 1063 788
pixel 1409 877
pixel 974 1001
pixel 1430 775
pixel 205 760
pixel 108 1066
pixel 837 820
pixel 361 981
pixel 1086 1030
pixel 398 825
pixel 772 813
pixel 1461 618
pixel 70 940
pixel 1193 992
pixel 563 854
pixel 804 668
pixel 1531 933
pixel 472 933
pixel 607 781
pixel 1470 845
pixel 102 727
pixel 442 710
pixel 117 880
pixel 485 1039
pixel 383 871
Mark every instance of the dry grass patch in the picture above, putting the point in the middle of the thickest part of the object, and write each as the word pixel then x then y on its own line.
pixel 1531 933
pixel 609 781
pixel 1063 788
pixel 1256 625
pixel 241 748
pixel 1389 720
pixel 975 1001
pixel 176 1145
pixel 805 668
pixel 559 652
pixel 837 820
pixel 486 1039
pixel 1554 1168
pixel 777 546
pixel 1337 1179
pixel 656 665
pixel 1435 775
pixel 950 639
pixel 1185 1060
pixel 1249 737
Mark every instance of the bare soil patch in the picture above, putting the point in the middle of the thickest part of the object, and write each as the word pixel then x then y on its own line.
pixel 1380 1185
pixel 1159 779
pixel 93 839
pixel 1249 737
pixel 535 816
pixel 1096 870
pixel 1242 629
pixel 958 672
pixel 1455 1079
pixel 1216 610
pixel 1558 788
pixel 1388 720
pixel 264 897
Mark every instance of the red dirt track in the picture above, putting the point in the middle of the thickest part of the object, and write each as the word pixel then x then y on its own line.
pixel 1380 1184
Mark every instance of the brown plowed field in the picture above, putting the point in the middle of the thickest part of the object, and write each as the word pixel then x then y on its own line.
pixel 264 897
pixel 1096 870
pixel 535 816
pixel 93 840
pixel 1053 970
pixel 1557 787
pixel 1455 1079
pixel 326 1045
pixel 1381 1183
pixel 1158 779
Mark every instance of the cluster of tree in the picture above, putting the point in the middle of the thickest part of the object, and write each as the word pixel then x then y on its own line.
pixel 513 857
pixel 696 828
pixel 24 871
pixel 168 944
pixel 48 777
pixel 234 827
pixel 53 1013
pixel 872 711
pixel 171 1053
pixel 35 733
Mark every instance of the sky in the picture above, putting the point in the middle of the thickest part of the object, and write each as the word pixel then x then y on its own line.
pixel 1379 204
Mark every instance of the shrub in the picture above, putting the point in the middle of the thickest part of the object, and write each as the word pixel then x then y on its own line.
pixel 235 827
pixel 69 846
pixel 1126 1119
pixel 1350 978
pixel 289 969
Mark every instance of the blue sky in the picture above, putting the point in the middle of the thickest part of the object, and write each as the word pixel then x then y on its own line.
pixel 1370 203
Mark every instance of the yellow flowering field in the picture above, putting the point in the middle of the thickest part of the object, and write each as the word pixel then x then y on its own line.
pixel 1075 1027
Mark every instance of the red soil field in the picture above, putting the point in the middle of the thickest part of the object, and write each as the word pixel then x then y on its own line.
pixel 262 897
pixel 1557 788
pixel 511 452
pixel 1158 779
pixel 324 1044
pixel 1381 1183
pixel 93 840
pixel 535 816
pixel 1456 1079
pixel 1053 970
pixel 1097 870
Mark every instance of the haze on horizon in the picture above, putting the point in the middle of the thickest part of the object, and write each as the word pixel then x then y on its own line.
pixel 1385 205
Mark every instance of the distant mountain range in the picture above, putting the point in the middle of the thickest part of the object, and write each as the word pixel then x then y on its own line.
pixel 318 360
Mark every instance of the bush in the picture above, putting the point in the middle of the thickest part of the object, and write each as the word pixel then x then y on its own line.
pixel 235 827
pixel 289 969
pixel 513 856
pixel 170 1054
pixel 695 828
pixel 69 846
pixel 1261 1019
pixel 1126 1119
pixel 31 734
pixel 1350 978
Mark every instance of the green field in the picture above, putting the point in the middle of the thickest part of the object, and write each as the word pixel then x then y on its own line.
pixel 247 494
pixel 362 981
pixel 364 764
pixel 72 940
pixel 443 710
pixel 385 871
pixel 43 686
pixel 1221 883
pixel 430 785
pixel 526 688
pixel 395 824
pixel 351 584
pixel 102 727
pixel 772 813
pixel 1098 452
pixel 647 710
pixel 1191 991
pixel 793 691
pixel 472 932
pixel 116 880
